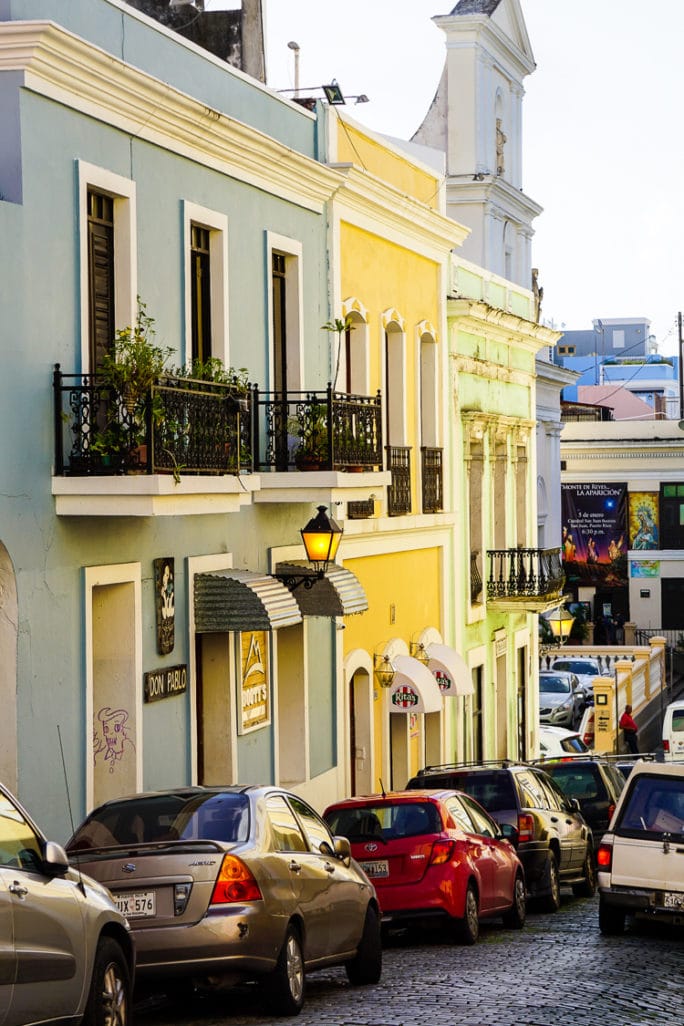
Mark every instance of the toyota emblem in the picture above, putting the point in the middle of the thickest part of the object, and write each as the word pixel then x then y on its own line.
pixel 371 847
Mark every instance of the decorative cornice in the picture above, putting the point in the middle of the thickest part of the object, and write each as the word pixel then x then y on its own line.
pixel 62 67
pixel 371 202
pixel 476 315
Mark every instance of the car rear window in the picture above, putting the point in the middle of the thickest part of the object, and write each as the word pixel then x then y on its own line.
pixel 582 782
pixel 654 806
pixel 678 719
pixel 573 744
pixel 493 789
pixel 386 822
pixel 217 817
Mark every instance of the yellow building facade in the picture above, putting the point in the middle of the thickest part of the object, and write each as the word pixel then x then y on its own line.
pixel 391 247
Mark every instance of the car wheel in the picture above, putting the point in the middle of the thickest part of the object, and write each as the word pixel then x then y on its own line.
pixel 468 929
pixel 611 920
pixel 514 919
pixel 366 967
pixel 109 1000
pixel 587 889
pixel 551 900
pixel 287 979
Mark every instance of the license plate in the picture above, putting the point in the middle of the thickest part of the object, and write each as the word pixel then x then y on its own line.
pixel 674 899
pixel 136 904
pixel 379 868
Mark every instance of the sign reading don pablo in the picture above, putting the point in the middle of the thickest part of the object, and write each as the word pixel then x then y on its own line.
pixel 164 590
pixel 164 683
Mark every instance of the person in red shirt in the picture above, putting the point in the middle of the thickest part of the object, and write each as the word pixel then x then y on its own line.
pixel 629 730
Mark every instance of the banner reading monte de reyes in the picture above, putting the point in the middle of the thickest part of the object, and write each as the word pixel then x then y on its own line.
pixel 595 540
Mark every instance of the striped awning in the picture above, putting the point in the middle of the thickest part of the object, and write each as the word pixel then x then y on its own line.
pixel 338 593
pixel 242 600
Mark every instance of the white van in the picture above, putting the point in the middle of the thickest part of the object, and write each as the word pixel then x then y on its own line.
pixel 673 731
pixel 639 859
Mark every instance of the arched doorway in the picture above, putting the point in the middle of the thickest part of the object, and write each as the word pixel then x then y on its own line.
pixel 359 674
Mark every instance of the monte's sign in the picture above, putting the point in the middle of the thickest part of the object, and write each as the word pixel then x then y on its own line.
pixel 172 680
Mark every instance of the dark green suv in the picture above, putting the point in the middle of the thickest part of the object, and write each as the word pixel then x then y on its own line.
pixel 556 846
pixel 596 784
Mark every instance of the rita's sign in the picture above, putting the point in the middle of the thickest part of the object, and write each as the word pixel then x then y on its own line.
pixel 172 680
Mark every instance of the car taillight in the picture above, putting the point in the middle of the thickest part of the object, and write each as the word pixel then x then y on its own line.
pixel 525 827
pixel 441 852
pixel 604 856
pixel 234 883
pixel 666 745
pixel 588 738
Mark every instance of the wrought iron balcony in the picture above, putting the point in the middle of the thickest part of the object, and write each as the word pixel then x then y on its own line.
pixel 529 577
pixel 316 430
pixel 431 474
pixel 184 426
pixel 399 491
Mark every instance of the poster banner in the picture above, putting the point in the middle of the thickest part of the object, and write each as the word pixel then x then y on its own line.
pixel 643 520
pixel 595 534
pixel 255 691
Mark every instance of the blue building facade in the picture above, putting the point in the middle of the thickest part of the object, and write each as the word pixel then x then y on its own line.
pixel 140 624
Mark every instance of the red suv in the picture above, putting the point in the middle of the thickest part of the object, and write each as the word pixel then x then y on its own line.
pixel 434 854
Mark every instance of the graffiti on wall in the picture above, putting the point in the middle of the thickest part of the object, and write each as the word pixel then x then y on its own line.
pixel 111 737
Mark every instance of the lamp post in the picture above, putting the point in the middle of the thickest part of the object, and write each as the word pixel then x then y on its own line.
pixel 321 538
pixel 295 48
pixel 560 622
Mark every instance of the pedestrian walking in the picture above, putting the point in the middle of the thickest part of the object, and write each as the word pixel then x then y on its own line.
pixel 629 730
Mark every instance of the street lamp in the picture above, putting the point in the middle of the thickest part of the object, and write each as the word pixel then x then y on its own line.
pixel 383 670
pixel 321 537
pixel 560 622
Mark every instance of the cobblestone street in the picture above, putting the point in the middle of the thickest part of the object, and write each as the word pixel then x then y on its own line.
pixel 558 971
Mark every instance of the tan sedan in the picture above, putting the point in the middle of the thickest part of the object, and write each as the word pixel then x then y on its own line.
pixel 223 884
pixel 65 950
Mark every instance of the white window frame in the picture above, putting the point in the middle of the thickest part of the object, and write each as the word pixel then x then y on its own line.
pixel 217 225
pixel 293 249
pixel 123 192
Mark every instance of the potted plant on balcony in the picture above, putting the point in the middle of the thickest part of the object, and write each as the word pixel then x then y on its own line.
pixel 128 371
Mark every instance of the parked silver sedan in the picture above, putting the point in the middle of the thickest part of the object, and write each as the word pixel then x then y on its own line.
pixel 66 953
pixel 223 884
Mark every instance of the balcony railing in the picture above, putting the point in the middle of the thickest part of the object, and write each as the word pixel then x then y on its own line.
pixel 187 426
pixel 431 474
pixel 524 573
pixel 475 578
pixel 316 430
pixel 399 491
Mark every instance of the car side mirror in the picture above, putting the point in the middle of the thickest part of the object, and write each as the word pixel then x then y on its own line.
pixel 55 859
pixel 342 848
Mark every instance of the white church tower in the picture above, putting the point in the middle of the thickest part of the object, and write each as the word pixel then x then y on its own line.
pixel 476 120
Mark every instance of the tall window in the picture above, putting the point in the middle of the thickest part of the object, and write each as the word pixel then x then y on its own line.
pixel 100 276
pixel 672 516
pixel 279 282
pixel 200 276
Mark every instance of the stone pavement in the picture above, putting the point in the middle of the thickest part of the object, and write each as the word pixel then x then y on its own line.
pixel 558 971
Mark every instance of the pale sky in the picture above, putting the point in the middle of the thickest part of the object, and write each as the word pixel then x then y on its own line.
pixel 602 145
